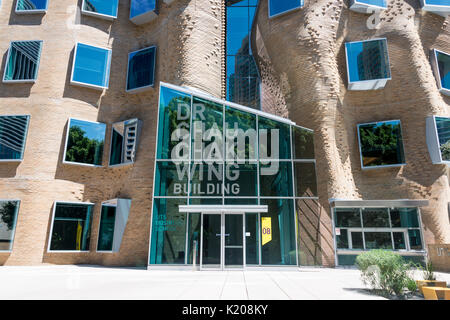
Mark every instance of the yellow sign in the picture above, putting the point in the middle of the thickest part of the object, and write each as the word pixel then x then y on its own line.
pixel 79 233
pixel 266 230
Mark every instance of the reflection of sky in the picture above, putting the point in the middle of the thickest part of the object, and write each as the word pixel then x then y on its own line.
pixel 444 69
pixel 93 130
pixel 280 6
pixel 379 3
pixel 379 124
pixel 39 4
pixel 139 7
pixel 363 60
pixel 108 7
pixel 438 2
pixel 91 65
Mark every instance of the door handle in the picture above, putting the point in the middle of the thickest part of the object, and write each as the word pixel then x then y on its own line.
pixel 226 234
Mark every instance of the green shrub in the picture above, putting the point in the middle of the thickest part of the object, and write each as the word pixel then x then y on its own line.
pixel 411 285
pixel 385 271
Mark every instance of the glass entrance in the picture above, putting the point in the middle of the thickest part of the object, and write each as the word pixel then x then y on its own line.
pixel 222 242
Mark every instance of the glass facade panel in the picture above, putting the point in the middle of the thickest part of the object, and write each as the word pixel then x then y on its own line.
pixel 404 218
pixel 206 180
pixel 9 210
pixel 102 7
pixel 124 142
pixel 171 179
pixel 381 144
pixel 274 139
pixel 399 240
pixel 91 66
pixel 241 135
pixel 347 218
pixel 85 141
pixel 280 248
pixel 241 180
pixel 415 240
pixel 438 2
pixel 251 238
pixel 13 134
pixel 342 239
pixel 31 5
pixel 277 7
pixel 141 69
pixel 71 229
pixel 443 130
pixel 378 240
pixel 168 240
pixel 274 178
pixel 375 218
pixel 303 143
pixel 106 231
pixel 357 240
pixel 367 60
pixel 305 179
pixel 22 64
pixel 194 224
pixel 139 7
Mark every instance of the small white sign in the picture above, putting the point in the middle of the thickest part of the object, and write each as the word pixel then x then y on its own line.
pixel 338 231
pixel 247 234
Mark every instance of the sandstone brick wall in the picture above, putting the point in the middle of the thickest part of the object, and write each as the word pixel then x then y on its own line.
pixel 301 57
pixel 188 39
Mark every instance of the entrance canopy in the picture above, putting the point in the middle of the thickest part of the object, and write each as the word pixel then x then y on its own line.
pixel 225 209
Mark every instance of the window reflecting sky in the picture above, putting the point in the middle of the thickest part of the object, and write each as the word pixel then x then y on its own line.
pixel 31 4
pixel 93 131
pixel 139 7
pixel 107 7
pixel 444 69
pixel 438 2
pixel 379 3
pixel 280 6
pixel 91 65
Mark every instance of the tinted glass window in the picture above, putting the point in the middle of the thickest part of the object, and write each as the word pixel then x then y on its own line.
pixel 444 68
pixel 378 3
pixel 415 241
pixel 277 7
pixel 349 218
pixel 23 61
pixel 378 240
pixel 443 130
pixel 91 65
pixel 342 239
pixel 105 7
pixel 375 218
pixel 274 139
pixel 305 179
pixel 124 142
pixel 357 240
pixel 30 5
pixel 13 134
pixel 303 143
pixel 8 218
pixel 399 240
pixel 139 7
pixel 404 218
pixel 141 68
pixel 275 179
pixel 106 231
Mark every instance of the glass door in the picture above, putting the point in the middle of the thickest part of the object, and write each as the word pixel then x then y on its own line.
pixel 234 241
pixel 211 256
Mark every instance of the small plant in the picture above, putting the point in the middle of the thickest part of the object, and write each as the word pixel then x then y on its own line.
pixel 411 285
pixel 428 272
pixel 385 271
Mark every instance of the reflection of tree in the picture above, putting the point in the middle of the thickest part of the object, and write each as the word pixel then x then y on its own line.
pixel 381 145
pixel 8 213
pixel 82 149
pixel 445 151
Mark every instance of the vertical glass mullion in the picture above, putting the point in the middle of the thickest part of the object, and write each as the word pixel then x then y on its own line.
pixel 362 229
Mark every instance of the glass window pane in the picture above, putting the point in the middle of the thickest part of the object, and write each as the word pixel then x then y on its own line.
pixel 13 134
pixel 139 7
pixel 238 201
pixel 303 143
pixel 378 240
pixel 342 239
pixel 381 144
pixel 241 142
pixel 168 232
pixel 415 241
pixel 206 180
pixel 194 225
pixel 275 179
pixel 106 231
pixel 378 3
pixel 438 2
pixel 124 142
pixel 174 124
pixel 85 142
pixel 237 30
pixel 278 238
pixel 8 217
pixel 357 240
pixel 305 179
pixel 443 130
pixel 277 7
pixel 399 240
pixel 367 60
pixel 31 5
pixel 375 218
pixel 274 139
pixel 347 218
pixel 91 65
pixel 141 68
pixel 241 180
pixel 71 227
pixel 171 179
pixel 23 61
pixel 205 201
pixel 251 238
pixel 404 218
pixel 105 7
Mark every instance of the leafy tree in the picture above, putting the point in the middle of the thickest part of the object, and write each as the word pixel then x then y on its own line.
pixel 445 151
pixel 82 149
pixel 8 213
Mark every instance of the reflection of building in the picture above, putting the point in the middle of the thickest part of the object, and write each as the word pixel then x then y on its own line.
pixel 372 61
pixel 26 5
pixel 88 6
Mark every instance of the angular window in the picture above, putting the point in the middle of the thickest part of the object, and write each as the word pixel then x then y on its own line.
pixel 106 9
pixel 277 7
pixel 113 220
pixel 124 142
pixel 84 142
pixel 438 139
pixel 367 6
pixel 367 64
pixel 381 144
pixel 91 66
pixel 440 62
pixel 440 7
pixel 31 6
pixel 141 69
pixel 71 228
pixel 13 134
pixel 8 218
pixel 142 11
pixel 22 63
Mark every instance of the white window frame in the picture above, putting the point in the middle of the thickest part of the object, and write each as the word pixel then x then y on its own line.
pixel 302 4
pixel 37 65
pixel 144 88
pixel 13 235
pixel 376 83
pixel 381 166
pixel 17 11
pixel 99 15
pixel 26 136
pixel 441 10
pixel 67 139
pixel 53 221
pixel 437 73
pixel 87 85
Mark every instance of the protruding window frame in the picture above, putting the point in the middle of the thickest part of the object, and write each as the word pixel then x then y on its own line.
pixel 271 16
pixel 15 222
pixel 138 132
pixel 433 144
pixel 144 17
pixel 144 88
pixel 37 11
pixel 437 73
pixel 441 10
pixel 99 15
pixel 25 138
pixel 37 65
